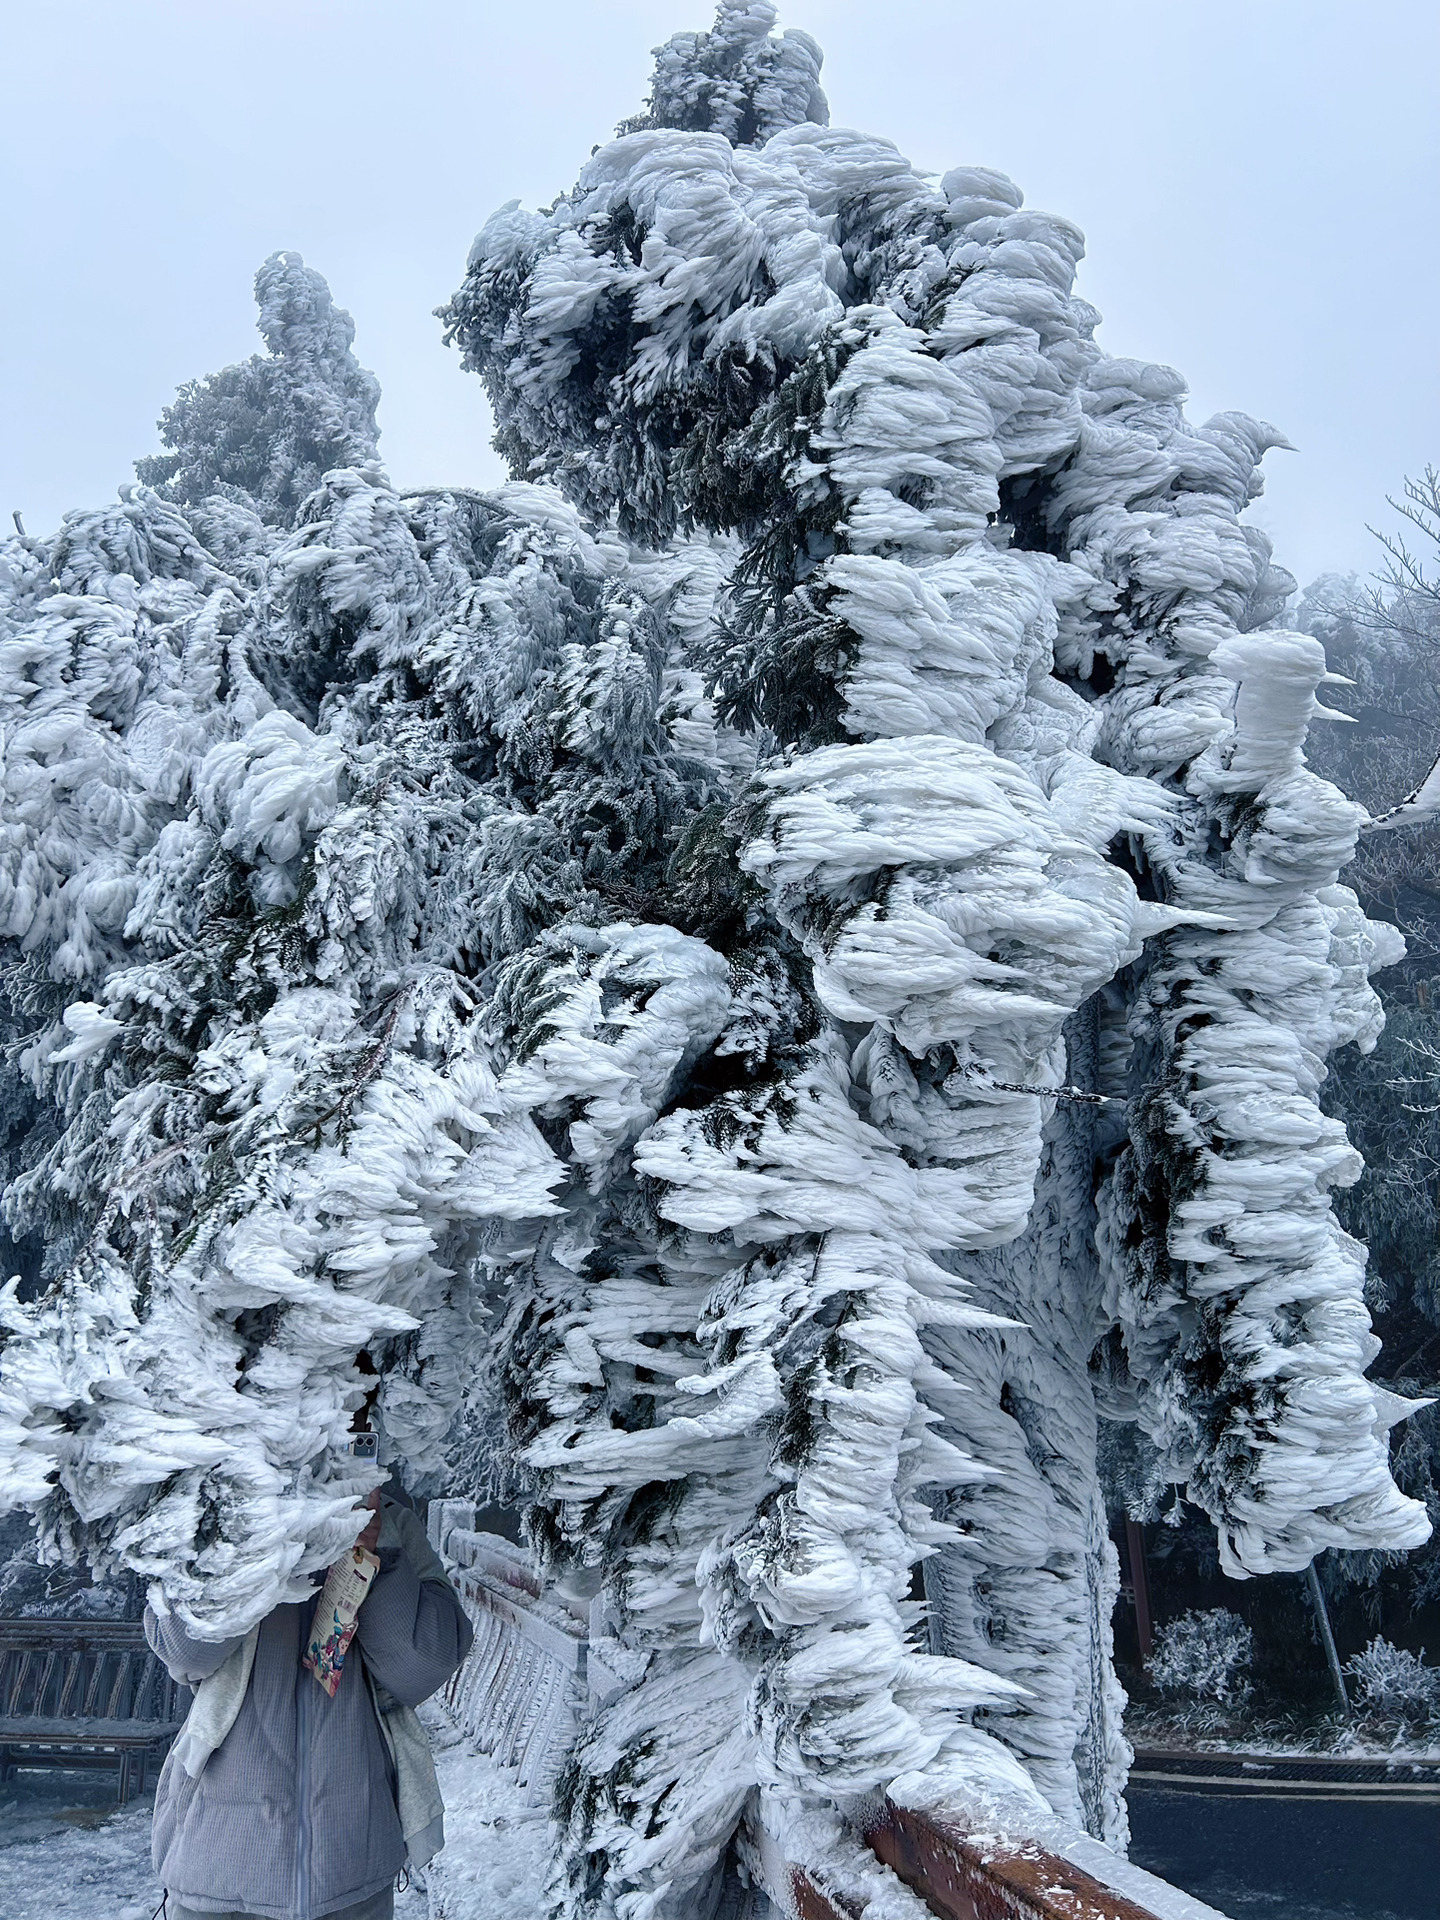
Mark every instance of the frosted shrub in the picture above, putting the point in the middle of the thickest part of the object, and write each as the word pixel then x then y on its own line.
pixel 1204 1655
pixel 1392 1683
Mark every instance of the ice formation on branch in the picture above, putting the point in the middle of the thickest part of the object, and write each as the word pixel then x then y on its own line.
pixel 767 975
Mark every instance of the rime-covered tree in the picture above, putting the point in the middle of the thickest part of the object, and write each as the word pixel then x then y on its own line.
pixel 740 79
pixel 264 431
pixel 768 975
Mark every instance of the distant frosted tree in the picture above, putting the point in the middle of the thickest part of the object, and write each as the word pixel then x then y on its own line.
pixel 1385 638
pixel 768 974
pixel 1388 644
pixel 267 429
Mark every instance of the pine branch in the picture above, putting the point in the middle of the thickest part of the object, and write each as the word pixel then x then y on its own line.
pixel 370 1069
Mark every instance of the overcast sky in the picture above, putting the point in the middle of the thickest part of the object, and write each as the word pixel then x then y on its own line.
pixel 1258 180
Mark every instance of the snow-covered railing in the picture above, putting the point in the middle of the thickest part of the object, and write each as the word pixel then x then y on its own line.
pixel 957 1873
pixel 520 1693
pixel 532 1673
pixel 963 1875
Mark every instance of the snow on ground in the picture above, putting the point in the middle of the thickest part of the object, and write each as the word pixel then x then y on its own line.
pixel 494 1856
pixel 62 1858
pixel 67 1854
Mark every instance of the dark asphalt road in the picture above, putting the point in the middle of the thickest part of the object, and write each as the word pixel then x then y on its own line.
pixel 1317 1856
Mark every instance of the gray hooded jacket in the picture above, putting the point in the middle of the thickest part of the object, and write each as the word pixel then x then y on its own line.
pixel 294 1815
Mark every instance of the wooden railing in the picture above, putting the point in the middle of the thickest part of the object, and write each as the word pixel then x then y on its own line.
pixel 962 1878
pixel 810 1901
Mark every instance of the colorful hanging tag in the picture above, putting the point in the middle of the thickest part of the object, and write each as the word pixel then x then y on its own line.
pixel 337 1614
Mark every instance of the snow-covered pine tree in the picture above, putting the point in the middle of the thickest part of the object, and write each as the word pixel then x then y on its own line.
pixel 309 805
pixel 786 958
pixel 264 431
pixel 1007 655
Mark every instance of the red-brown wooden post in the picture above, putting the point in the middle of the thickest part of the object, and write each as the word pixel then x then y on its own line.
pixel 1140 1586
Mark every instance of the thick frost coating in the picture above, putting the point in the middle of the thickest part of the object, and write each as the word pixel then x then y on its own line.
pixel 740 79
pixel 248 948
pixel 1008 572
pixel 264 431
pixel 772 971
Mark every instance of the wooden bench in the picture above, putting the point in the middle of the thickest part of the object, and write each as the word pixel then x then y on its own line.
pixel 85 1693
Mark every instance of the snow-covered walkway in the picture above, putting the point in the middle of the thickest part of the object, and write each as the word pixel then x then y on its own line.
pixel 64 1857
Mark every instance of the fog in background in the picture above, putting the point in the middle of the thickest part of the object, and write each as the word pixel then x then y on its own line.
pixel 1258 181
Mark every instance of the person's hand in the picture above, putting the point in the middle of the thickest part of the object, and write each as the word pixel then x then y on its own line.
pixel 370 1533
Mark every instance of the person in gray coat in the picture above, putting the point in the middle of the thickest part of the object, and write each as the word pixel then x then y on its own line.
pixel 295 1814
